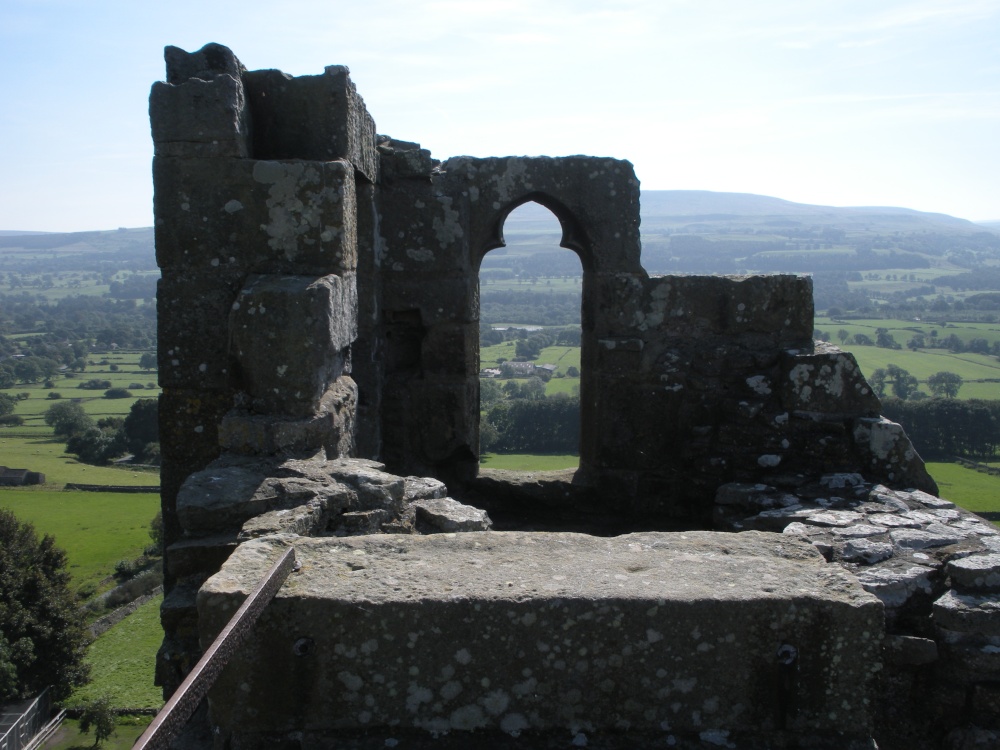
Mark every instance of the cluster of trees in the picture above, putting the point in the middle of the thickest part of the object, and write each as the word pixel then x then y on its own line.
pixel 905 386
pixel 540 425
pixel 942 428
pixel 112 437
pixel 529 307
pixel 134 286
pixel 42 636
pixel 92 321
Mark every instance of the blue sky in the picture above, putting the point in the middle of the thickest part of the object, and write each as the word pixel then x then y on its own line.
pixel 835 102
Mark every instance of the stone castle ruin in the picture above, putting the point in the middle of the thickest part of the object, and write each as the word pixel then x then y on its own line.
pixel 748 555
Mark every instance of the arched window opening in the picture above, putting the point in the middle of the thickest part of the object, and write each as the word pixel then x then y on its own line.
pixel 530 296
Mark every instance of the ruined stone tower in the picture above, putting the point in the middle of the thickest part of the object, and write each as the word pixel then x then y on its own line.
pixel 319 342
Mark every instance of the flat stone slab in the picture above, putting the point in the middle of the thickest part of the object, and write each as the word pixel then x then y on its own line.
pixel 675 634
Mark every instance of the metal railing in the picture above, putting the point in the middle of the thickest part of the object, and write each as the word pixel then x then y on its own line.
pixel 182 704
pixel 28 724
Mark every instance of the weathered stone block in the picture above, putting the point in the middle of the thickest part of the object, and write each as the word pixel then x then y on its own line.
pixel 423 488
pixel 288 335
pixel 976 572
pixel 448 515
pixel 444 414
pixel 205 64
pixel 200 554
pixel 906 650
pixel 320 118
pixel 450 350
pixel 779 307
pixel 520 632
pixel 425 234
pixel 444 300
pixel 223 498
pixel 193 335
pixel 969 613
pixel 897 583
pixel 375 488
pixel 331 428
pixel 255 216
pixel 828 382
pixel 891 457
pixel 189 422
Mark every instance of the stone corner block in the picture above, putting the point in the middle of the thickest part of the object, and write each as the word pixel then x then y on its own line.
pixel 200 118
pixel 320 117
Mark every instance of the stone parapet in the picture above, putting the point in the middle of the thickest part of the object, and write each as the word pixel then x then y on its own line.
pixel 733 636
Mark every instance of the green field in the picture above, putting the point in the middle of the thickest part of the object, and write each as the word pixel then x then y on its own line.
pixel 122 662
pixel 968 488
pixel 569 386
pixel 975 369
pixel 520 462
pixel 96 529
pixel 68 736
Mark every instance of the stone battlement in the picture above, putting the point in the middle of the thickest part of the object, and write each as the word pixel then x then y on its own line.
pixel 319 357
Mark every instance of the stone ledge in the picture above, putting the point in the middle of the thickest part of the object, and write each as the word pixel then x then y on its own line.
pixel 521 632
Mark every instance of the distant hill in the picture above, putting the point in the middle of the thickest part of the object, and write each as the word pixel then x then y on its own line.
pixel 679 207
pixel 707 212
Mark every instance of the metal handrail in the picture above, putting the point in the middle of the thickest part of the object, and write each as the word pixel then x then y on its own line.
pixel 182 704
pixel 28 723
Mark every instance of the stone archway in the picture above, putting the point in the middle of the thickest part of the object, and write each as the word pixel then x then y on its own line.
pixel 554 419
pixel 596 202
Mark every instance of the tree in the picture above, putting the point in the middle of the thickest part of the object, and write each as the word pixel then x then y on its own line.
pixel 904 385
pixel 884 339
pixel 68 418
pixel 490 391
pixel 533 388
pixel 148 360
pixel 156 532
pixel 96 445
pixel 142 425
pixel 42 636
pixel 842 334
pixel 945 384
pixel 877 381
pixel 7 404
pixel 100 715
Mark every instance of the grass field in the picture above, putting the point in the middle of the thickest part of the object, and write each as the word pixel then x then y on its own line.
pixel 966 487
pixel 96 529
pixel 68 736
pixel 569 386
pixel 45 454
pixel 520 462
pixel 122 662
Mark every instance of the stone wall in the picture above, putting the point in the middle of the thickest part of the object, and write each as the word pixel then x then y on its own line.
pixel 319 346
